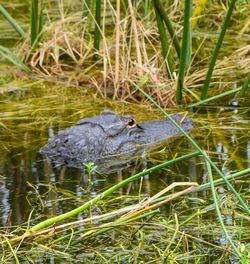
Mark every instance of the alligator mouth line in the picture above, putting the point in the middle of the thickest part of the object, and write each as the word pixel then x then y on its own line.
pixel 137 125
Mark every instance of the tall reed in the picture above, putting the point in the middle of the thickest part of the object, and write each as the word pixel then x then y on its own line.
pixel 216 50
pixel 97 32
pixel 36 22
pixel 185 50
pixel 164 43
pixel 169 26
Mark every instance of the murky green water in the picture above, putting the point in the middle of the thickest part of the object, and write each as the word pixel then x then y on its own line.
pixel 29 183
pixel 30 115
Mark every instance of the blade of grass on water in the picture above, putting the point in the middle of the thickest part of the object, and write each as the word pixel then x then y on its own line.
pixel 220 181
pixel 235 90
pixel 228 238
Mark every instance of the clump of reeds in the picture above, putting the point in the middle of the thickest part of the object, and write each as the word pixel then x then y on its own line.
pixel 109 47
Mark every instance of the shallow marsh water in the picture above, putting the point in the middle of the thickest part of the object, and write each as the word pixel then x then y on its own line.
pixel 34 110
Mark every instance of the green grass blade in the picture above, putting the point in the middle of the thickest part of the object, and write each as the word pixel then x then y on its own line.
pixel 12 21
pixel 189 40
pixel 216 51
pixel 233 176
pixel 168 23
pixel 86 8
pixel 146 7
pixel 36 21
pixel 206 186
pixel 228 238
pixel 12 251
pixel 235 90
pixel 106 193
pixel 164 43
pixel 185 52
pixel 97 33
pixel 10 56
pixel 246 85
pixel 191 140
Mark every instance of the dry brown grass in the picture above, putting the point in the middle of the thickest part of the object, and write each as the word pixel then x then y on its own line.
pixel 130 49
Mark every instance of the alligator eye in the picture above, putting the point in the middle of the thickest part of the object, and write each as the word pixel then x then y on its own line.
pixel 131 123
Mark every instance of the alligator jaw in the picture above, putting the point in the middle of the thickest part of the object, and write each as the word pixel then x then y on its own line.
pixel 156 131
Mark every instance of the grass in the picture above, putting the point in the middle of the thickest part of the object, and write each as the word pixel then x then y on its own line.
pixel 12 21
pixel 216 50
pixel 164 43
pixel 185 50
pixel 127 45
pixel 147 237
pixel 36 22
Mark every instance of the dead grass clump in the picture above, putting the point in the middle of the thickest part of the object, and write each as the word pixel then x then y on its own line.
pixel 130 50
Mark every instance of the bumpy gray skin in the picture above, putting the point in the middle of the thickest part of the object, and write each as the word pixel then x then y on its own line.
pixel 107 136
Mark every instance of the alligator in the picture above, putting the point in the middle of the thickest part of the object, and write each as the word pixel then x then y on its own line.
pixel 109 135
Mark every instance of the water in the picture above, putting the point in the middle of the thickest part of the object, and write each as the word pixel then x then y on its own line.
pixel 29 117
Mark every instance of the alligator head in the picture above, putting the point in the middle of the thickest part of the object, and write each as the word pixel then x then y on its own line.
pixel 109 135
